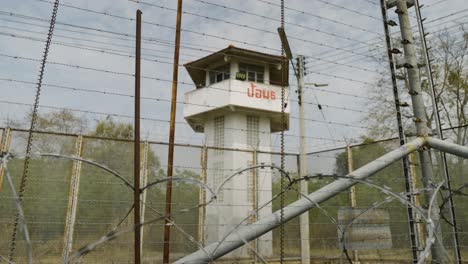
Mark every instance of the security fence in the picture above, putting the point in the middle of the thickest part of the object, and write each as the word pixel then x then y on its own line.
pixel 71 203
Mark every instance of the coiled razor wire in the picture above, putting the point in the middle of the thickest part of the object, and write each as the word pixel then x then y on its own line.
pixel 431 238
pixel 385 190
pixel 113 234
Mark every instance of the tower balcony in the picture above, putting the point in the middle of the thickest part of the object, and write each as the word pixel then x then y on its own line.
pixel 232 95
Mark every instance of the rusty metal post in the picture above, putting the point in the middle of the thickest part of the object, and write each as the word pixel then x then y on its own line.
pixel 254 198
pixel 4 147
pixel 170 159
pixel 352 190
pixel 201 193
pixel 417 218
pixel 205 180
pixel 2 138
pixel 72 200
pixel 144 180
pixel 136 150
pixel 202 197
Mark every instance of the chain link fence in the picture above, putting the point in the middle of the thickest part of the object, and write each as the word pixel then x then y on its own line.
pixel 69 204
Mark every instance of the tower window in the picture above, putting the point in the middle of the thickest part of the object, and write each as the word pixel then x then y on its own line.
pixel 250 183
pixel 219 74
pixel 219 134
pixel 218 165
pixel 218 177
pixel 253 131
pixel 254 73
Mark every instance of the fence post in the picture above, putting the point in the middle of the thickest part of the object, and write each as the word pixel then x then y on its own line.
pixel 202 196
pixel 4 148
pixel 254 191
pixel 144 180
pixel 419 225
pixel 352 190
pixel 72 200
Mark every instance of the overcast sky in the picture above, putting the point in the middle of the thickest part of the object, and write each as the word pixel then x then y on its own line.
pixel 340 38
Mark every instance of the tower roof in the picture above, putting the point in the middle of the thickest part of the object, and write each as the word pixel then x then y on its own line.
pixel 197 68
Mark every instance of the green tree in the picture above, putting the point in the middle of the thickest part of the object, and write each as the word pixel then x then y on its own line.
pixel 449 73
pixel 108 128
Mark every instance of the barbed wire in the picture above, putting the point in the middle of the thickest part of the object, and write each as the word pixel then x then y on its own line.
pixel 316 58
pixel 378 41
pixel 286 22
pixel 189 239
pixel 115 234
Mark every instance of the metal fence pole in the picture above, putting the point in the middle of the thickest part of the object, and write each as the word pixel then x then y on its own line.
pixel 136 150
pixel 4 147
pixel 419 110
pixel 419 227
pixel 451 148
pixel 255 197
pixel 352 190
pixel 412 225
pixel 144 181
pixel 72 200
pixel 170 158
pixel 443 157
pixel 304 185
pixel 202 196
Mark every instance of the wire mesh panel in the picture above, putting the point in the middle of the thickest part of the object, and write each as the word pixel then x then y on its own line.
pixel 392 179
pixel 292 236
pixel 323 229
pixel 184 205
pixel 185 201
pixel 104 200
pixel 457 171
pixel 45 197
pixel 458 168
pixel 154 204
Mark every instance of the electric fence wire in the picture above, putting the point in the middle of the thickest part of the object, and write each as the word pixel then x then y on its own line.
pixel 25 173
pixel 330 91
pixel 348 62
pixel 109 51
pixel 107 114
pixel 88 10
pixel 116 16
pixel 224 21
pixel 154 78
pixel 167 44
pixel 378 41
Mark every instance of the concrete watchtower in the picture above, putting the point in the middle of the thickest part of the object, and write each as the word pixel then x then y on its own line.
pixel 237 104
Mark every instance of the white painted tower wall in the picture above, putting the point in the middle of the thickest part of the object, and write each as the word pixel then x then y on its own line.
pixel 233 204
pixel 221 110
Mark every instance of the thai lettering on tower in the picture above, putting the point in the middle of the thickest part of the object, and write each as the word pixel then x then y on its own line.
pixel 256 92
